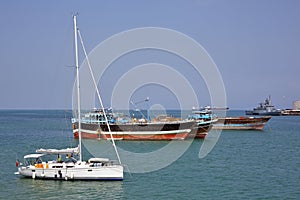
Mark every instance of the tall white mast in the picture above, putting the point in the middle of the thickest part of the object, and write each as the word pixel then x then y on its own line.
pixel 78 86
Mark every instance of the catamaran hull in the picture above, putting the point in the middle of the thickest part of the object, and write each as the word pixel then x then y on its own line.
pixel 113 173
pixel 158 131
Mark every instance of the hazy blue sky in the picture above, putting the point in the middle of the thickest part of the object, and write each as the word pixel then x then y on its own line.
pixel 255 44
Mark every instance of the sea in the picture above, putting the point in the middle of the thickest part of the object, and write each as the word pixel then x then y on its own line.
pixel 241 165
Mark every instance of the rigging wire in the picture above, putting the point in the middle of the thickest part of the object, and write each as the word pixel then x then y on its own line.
pixel 98 94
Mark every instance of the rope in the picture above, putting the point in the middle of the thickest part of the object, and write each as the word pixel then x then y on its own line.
pixel 99 97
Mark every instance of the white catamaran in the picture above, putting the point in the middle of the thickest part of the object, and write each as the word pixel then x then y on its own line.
pixel 71 169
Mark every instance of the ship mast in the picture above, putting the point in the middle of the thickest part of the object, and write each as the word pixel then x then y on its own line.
pixel 76 30
pixel 78 86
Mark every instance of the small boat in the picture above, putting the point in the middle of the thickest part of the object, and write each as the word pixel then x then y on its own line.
pixel 241 123
pixel 295 111
pixel 35 166
pixel 290 112
pixel 205 120
pixel 123 128
pixel 265 108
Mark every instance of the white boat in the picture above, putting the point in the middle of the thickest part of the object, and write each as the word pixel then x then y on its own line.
pixel 70 169
pixel 35 166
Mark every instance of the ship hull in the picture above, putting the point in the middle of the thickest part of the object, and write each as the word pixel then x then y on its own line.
pixel 136 131
pixel 201 130
pixel 291 113
pixel 111 173
pixel 241 123
pixel 263 113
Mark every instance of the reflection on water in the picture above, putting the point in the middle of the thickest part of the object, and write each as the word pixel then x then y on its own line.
pixel 104 146
pixel 51 189
pixel 140 156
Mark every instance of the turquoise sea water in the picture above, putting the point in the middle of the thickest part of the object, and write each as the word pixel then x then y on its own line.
pixel 242 165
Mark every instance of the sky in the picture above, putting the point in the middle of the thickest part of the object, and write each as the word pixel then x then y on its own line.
pixel 255 45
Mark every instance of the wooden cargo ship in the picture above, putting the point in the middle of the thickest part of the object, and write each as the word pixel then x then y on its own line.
pixel 241 123
pixel 93 126
pixel 205 120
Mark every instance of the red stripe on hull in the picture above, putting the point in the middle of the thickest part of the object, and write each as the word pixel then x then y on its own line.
pixel 254 127
pixel 87 135
pixel 241 123
pixel 200 135
pixel 175 136
pixel 170 136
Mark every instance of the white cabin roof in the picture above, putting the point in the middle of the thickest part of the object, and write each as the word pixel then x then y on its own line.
pixel 59 151
pixel 33 156
pixel 98 160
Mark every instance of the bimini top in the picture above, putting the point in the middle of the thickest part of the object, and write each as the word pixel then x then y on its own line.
pixel 97 160
pixel 33 156
pixel 59 151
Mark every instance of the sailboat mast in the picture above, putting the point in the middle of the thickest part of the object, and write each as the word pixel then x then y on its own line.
pixel 78 86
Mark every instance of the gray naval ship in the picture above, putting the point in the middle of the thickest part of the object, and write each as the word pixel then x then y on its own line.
pixel 265 108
